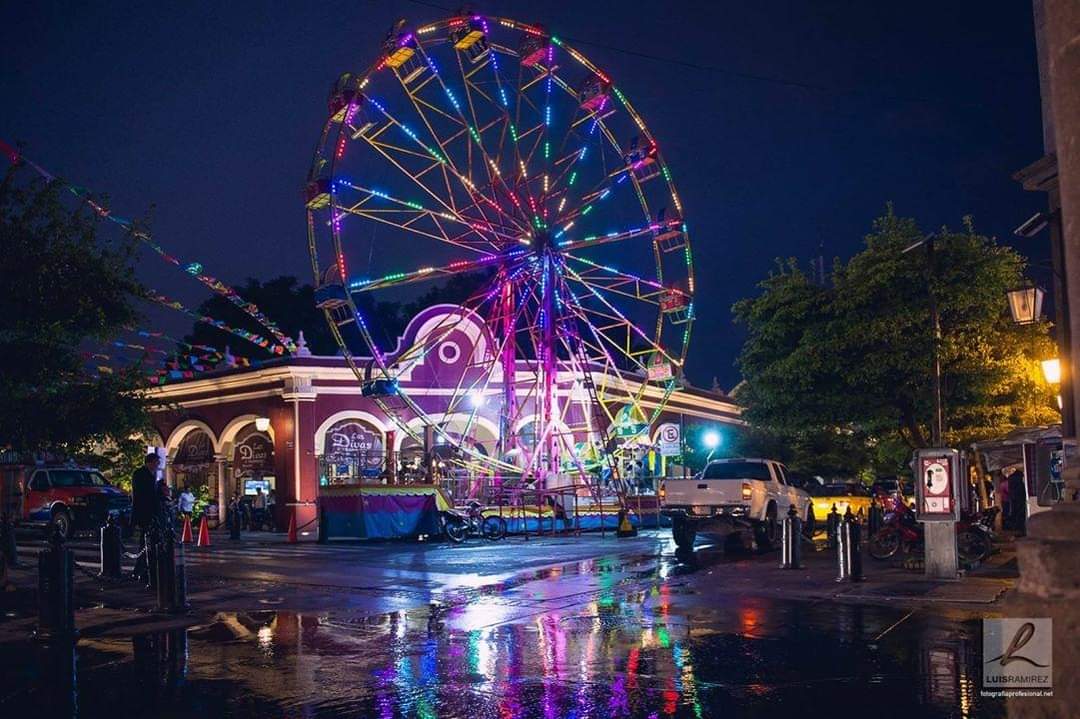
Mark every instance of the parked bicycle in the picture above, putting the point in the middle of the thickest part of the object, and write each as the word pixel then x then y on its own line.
pixel 459 526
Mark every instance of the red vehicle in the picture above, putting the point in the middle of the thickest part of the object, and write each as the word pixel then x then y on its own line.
pixel 66 496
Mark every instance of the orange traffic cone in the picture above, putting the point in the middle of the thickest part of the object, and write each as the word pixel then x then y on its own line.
pixel 185 536
pixel 204 533
pixel 292 528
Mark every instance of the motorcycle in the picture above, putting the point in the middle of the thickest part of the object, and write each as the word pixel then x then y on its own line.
pixel 459 526
pixel 901 532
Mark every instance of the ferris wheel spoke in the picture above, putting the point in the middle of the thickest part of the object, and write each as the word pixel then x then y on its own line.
pixel 481 387
pixel 472 135
pixel 442 237
pixel 568 246
pixel 423 274
pixel 417 178
pixel 410 207
pixel 618 318
pixel 447 167
pixel 613 280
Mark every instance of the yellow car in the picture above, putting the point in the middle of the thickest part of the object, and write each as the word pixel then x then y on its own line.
pixel 843 496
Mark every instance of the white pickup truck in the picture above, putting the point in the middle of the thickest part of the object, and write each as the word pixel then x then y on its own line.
pixel 734 494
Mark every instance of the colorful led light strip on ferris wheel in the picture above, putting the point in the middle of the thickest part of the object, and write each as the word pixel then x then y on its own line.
pixel 452 268
pixel 495 64
pixel 627 275
pixel 415 206
pixel 623 317
pixel 466 181
pixel 192 268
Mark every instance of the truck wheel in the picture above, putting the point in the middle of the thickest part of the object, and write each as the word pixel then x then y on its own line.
pixel 61 520
pixel 766 531
pixel 684 533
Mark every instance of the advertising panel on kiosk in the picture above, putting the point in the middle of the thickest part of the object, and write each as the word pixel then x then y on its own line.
pixel 937 485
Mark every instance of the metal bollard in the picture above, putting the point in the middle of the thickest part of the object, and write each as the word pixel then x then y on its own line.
pixel 853 530
pixel 7 542
pixel 791 545
pixel 110 549
pixel 56 590
pixel 849 552
pixel 165 571
pixel 833 527
pixel 181 579
pixel 873 519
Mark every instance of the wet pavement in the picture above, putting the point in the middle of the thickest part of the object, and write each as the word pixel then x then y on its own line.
pixel 636 632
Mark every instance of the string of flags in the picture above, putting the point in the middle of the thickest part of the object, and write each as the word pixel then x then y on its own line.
pixel 194 269
pixel 256 339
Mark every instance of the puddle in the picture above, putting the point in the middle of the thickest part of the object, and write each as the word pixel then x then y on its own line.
pixel 643 653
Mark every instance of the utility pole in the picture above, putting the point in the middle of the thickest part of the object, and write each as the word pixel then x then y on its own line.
pixel 938 429
pixel 937 425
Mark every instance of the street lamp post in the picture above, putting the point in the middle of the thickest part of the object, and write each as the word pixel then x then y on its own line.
pixel 937 426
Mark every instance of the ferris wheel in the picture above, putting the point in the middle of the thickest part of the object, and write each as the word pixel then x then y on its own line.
pixel 490 154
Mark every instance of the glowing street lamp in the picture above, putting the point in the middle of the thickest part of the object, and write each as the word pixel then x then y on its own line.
pixel 1051 369
pixel 711 439
pixel 262 423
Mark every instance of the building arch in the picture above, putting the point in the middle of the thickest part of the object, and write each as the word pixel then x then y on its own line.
pixel 417 425
pixel 360 415
pixel 184 429
pixel 232 429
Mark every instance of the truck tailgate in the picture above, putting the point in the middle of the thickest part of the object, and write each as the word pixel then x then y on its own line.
pixel 681 492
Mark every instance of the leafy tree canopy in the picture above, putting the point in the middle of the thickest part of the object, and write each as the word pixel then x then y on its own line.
pixel 843 373
pixel 66 289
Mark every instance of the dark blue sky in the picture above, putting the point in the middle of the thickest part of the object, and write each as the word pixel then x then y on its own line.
pixel 787 124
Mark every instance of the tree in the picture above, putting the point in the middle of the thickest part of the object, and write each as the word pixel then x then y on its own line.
pixel 845 371
pixel 65 289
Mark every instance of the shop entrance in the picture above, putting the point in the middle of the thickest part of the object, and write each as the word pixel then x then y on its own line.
pixel 254 481
pixel 194 468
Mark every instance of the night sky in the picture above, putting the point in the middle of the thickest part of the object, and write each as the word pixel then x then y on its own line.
pixel 786 124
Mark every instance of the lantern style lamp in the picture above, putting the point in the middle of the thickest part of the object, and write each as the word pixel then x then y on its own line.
pixel 1051 369
pixel 1025 304
pixel 262 423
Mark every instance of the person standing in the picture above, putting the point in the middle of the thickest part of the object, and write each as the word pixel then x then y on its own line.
pixel 271 505
pixel 145 509
pixel 186 502
pixel 1018 501
pixel 258 506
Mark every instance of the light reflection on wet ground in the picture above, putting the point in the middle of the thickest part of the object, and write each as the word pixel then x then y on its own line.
pixel 590 640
